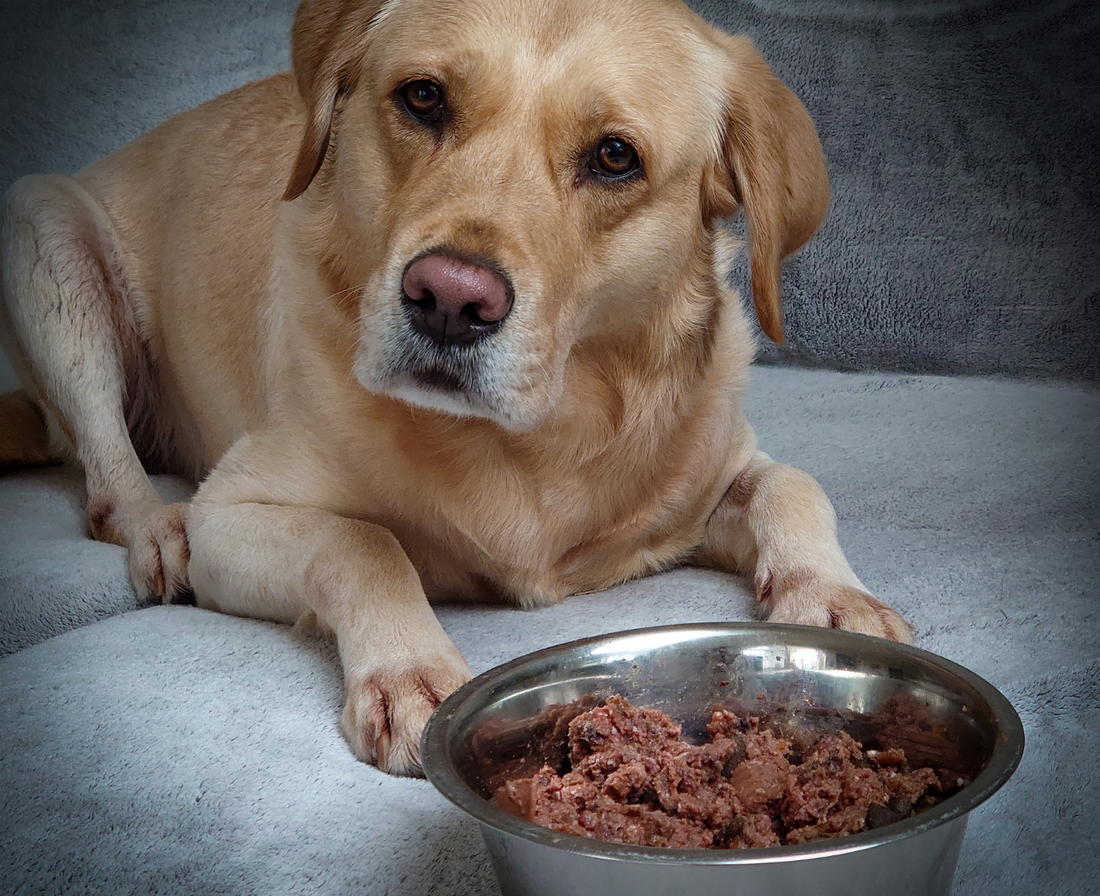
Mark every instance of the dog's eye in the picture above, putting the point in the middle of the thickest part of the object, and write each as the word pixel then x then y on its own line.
pixel 423 100
pixel 615 159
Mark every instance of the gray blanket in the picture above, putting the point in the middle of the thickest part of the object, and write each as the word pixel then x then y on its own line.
pixel 171 750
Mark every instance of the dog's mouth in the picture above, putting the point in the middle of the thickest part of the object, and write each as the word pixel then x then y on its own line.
pixel 448 379
pixel 436 379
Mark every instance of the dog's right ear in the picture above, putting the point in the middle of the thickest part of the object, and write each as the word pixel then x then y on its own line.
pixel 327 45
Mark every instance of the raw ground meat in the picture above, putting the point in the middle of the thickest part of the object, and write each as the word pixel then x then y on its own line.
pixel 625 775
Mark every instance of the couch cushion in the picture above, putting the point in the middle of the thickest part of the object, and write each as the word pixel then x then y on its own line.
pixel 176 750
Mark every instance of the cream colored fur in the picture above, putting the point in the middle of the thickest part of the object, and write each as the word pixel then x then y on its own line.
pixel 221 297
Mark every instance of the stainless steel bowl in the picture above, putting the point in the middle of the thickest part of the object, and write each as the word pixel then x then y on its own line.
pixel 684 671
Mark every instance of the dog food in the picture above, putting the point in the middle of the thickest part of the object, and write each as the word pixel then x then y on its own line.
pixel 628 776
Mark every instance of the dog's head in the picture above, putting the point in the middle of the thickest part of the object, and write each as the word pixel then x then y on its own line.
pixel 500 183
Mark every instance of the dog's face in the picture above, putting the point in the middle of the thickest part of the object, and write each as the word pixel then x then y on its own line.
pixel 509 181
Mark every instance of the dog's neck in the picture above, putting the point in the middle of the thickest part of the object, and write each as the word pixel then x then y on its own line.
pixel 642 387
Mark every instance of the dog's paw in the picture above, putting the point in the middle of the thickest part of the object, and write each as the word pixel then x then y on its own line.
pixel 159 553
pixel 386 711
pixel 803 598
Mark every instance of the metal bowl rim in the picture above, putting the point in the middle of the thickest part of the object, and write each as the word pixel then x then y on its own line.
pixel 440 771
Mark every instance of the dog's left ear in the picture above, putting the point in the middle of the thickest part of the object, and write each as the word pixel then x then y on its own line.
pixel 773 165
pixel 328 41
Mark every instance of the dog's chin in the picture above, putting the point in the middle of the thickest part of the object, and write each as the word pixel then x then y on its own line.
pixel 446 392
pixel 438 391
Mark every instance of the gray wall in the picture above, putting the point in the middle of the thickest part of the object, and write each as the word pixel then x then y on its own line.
pixel 962 140
pixel 964 145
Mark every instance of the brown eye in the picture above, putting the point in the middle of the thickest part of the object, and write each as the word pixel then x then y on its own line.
pixel 615 159
pixel 423 100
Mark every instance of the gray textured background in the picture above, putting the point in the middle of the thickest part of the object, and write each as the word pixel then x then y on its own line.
pixel 962 140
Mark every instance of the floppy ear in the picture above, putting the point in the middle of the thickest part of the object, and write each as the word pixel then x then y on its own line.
pixel 773 165
pixel 327 45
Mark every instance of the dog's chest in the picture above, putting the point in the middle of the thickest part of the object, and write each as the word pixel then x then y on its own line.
pixel 503 531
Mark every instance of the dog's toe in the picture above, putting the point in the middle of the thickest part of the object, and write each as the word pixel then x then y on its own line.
pixel 802 599
pixel 159 553
pixel 856 611
pixel 386 711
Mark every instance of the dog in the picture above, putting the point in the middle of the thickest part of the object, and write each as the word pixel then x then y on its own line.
pixel 442 313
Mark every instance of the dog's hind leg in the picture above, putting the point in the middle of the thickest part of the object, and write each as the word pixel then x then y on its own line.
pixel 71 333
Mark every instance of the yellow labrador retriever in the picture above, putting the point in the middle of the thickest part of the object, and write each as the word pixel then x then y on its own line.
pixel 443 313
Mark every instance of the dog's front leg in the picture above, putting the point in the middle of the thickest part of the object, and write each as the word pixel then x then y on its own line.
pixel 776 525
pixel 279 562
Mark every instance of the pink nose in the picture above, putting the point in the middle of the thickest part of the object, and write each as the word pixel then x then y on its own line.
pixel 455 302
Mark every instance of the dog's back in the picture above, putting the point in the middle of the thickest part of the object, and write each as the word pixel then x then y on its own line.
pixel 194 204
pixel 189 209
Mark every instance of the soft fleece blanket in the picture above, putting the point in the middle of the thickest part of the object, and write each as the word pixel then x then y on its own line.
pixel 171 750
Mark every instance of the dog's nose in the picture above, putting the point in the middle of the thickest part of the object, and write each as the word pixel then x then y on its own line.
pixel 455 302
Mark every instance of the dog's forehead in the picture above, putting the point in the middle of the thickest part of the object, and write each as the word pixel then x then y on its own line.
pixel 649 59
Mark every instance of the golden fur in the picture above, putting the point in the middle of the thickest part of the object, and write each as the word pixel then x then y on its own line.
pixel 222 297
